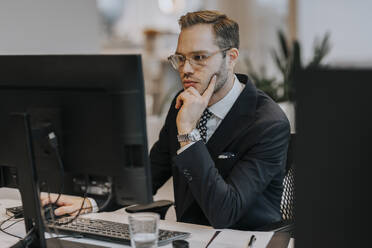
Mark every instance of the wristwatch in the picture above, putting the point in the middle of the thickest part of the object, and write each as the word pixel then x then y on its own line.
pixel 194 136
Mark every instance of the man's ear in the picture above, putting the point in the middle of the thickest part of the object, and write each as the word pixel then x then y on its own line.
pixel 233 55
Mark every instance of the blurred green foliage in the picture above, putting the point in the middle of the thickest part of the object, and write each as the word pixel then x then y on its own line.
pixel 288 60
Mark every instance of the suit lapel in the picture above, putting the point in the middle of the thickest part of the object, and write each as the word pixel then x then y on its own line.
pixel 237 119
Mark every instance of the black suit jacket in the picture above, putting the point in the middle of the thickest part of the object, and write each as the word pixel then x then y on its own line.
pixel 243 189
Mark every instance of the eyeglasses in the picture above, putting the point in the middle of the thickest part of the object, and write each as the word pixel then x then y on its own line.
pixel 196 59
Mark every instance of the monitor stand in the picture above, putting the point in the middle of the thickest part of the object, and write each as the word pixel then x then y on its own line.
pixel 30 192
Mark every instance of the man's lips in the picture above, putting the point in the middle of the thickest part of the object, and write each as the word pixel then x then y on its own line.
pixel 189 83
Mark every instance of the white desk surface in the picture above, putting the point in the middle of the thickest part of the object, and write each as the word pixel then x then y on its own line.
pixel 200 235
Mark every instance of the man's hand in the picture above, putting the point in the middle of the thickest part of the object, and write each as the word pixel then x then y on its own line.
pixel 192 105
pixel 68 204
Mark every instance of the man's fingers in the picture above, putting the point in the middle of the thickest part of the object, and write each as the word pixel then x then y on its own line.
pixel 209 91
pixel 52 198
pixel 179 101
pixel 65 210
pixel 181 98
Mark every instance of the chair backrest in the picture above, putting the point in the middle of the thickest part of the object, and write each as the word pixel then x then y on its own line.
pixel 287 202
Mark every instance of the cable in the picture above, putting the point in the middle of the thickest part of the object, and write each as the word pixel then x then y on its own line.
pixel 28 239
pixel 53 141
pixel 12 224
pixel 109 197
pixel 3 230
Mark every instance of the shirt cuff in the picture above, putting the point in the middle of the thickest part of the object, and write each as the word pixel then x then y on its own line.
pixel 94 205
pixel 185 147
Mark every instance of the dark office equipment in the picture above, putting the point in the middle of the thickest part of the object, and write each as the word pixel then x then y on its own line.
pixel 108 230
pixel 17 212
pixel 180 244
pixel 94 104
pixel 333 154
pixel 161 207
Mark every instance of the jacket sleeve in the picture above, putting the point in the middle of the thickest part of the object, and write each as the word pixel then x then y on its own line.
pixel 160 159
pixel 160 154
pixel 225 201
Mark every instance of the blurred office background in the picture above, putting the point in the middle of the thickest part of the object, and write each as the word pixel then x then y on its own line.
pixel 339 30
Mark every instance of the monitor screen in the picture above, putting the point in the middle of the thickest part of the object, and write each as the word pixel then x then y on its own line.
pixel 94 105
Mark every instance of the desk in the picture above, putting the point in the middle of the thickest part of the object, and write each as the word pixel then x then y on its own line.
pixel 200 235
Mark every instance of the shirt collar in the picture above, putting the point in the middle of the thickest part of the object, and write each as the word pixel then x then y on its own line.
pixel 222 107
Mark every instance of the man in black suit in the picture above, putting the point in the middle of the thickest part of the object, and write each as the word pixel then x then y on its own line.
pixel 223 141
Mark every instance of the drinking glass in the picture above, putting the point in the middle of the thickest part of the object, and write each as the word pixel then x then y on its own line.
pixel 143 228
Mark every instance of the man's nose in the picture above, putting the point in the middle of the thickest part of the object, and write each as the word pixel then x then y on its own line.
pixel 187 68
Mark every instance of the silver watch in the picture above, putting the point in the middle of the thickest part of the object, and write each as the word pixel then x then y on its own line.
pixel 194 136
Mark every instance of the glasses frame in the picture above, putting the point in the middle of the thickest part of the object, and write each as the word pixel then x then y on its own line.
pixel 176 65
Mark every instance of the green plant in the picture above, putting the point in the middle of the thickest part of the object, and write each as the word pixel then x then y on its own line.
pixel 261 80
pixel 288 61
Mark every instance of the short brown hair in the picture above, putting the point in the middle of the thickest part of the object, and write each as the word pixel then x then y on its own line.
pixel 225 29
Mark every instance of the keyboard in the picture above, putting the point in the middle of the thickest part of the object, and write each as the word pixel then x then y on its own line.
pixel 106 230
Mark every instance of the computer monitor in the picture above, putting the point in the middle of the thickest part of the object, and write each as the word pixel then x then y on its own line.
pixel 94 104
pixel 333 157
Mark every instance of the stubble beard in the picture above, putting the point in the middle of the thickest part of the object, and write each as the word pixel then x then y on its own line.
pixel 222 76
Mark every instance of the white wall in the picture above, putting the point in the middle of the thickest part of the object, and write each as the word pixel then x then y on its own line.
pixel 349 23
pixel 49 26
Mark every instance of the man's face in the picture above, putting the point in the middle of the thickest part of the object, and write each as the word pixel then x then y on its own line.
pixel 200 40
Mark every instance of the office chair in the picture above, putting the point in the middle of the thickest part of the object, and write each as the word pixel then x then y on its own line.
pixel 286 206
